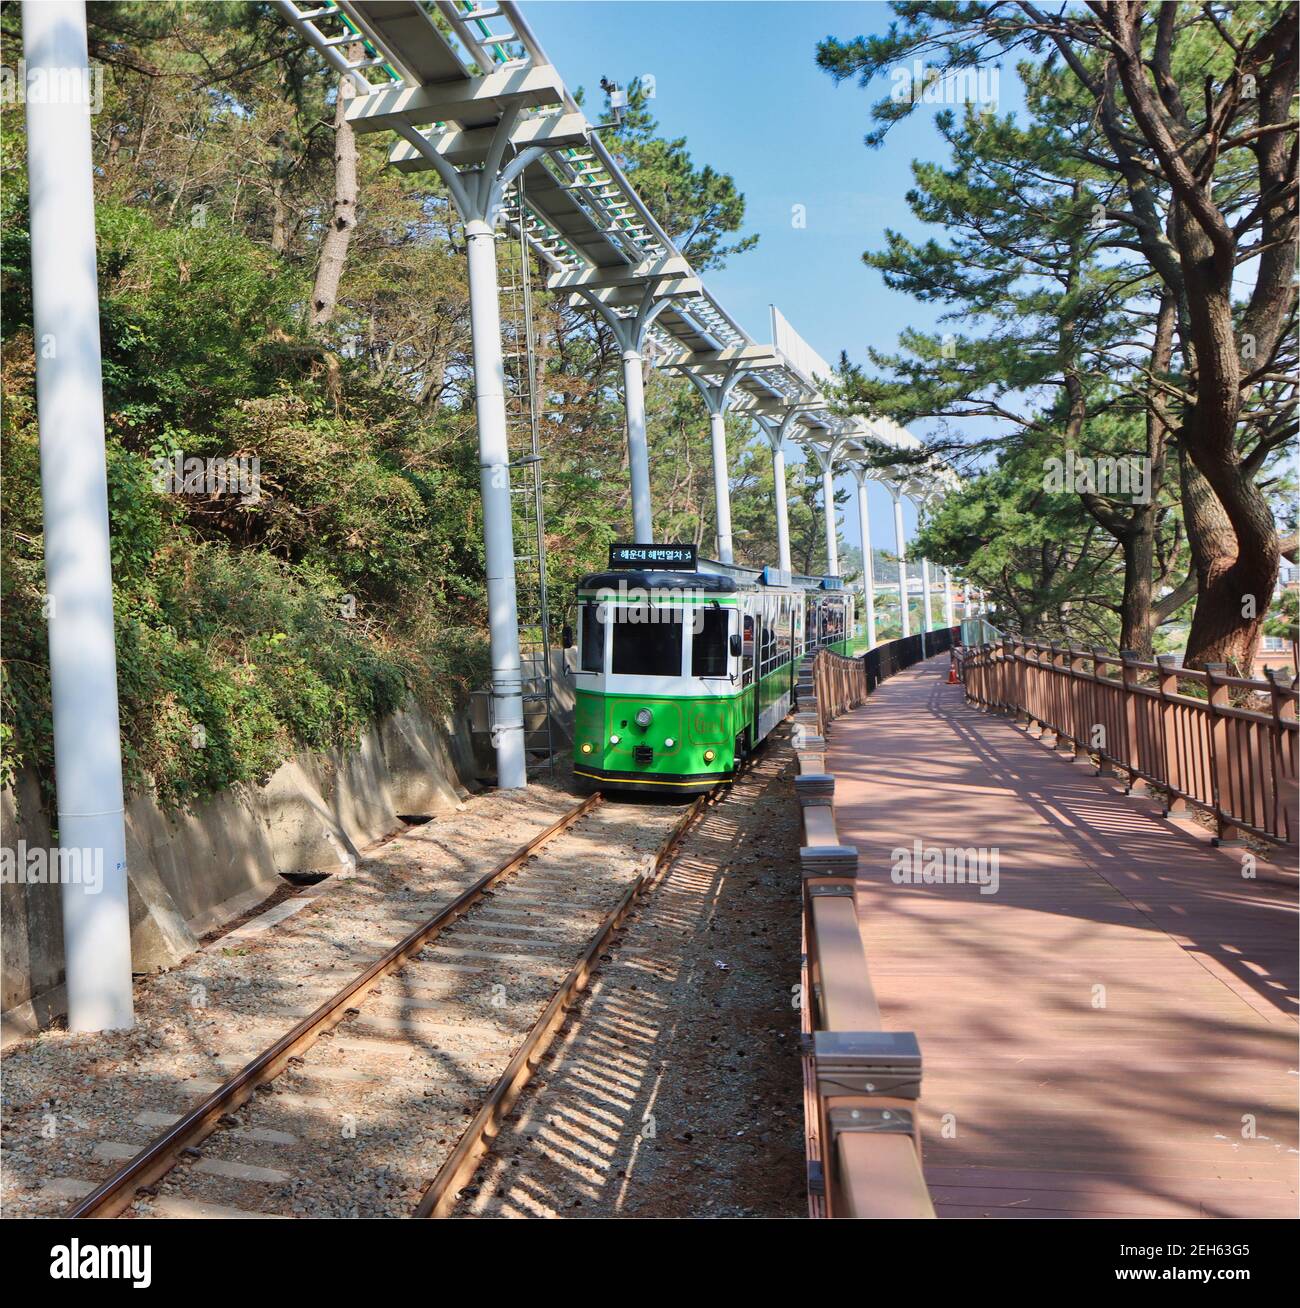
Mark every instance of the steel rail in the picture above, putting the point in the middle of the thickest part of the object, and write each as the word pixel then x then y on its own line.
pixel 440 1194
pixel 155 1160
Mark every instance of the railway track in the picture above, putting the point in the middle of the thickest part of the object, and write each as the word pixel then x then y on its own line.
pixel 390 1091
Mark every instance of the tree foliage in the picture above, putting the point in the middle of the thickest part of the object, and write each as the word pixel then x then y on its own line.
pixel 250 627
pixel 1126 248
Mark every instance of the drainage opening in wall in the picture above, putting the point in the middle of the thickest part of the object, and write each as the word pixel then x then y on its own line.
pixel 304 878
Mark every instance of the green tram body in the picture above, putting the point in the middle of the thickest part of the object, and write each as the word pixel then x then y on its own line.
pixel 711 657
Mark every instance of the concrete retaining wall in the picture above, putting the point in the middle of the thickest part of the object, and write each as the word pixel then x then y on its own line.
pixel 190 872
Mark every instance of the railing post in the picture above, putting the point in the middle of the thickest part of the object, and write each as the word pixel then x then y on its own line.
pixel 1101 698
pixel 1049 722
pixel 1176 805
pixel 1134 784
pixel 1015 675
pixel 1062 696
pixel 1069 743
pixel 1220 755
pixel 1284 763
pixel 1025 697
pixel 1037 696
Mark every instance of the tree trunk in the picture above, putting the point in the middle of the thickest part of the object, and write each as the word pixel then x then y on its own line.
pixel 1237 586
pixel 279 217
pixel 1135 606
pixel 334 246
pixel 1221 632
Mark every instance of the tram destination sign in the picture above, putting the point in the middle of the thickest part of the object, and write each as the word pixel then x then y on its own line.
pixel 668 557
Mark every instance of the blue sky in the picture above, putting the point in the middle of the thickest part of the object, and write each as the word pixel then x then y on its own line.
pixel 739 81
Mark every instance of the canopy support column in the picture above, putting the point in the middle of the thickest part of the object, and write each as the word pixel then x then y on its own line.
pixel 716 393
pixel 629 329
pixel 74 495
pixel 826 461
pixel 478 195
pixel 928 621
pixel 900 549
pixel 776 433
pixel 868 563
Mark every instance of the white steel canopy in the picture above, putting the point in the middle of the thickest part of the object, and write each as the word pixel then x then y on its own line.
pixel 473 97
pixel 451 86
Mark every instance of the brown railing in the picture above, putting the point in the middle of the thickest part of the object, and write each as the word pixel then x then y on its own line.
pixel 861 1084
pixel 839 684
pixel 1227 745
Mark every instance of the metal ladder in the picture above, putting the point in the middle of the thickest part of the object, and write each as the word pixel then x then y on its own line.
pixel 519 356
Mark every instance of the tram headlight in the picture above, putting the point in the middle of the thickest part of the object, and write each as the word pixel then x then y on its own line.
pixel 644 718
pixel 613 740
pixel 586 747
pixel 669 742
pixel 709 756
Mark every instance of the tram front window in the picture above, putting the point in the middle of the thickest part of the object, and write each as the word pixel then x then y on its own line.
pixel 647 643
pixel 593 638
pixel 709 643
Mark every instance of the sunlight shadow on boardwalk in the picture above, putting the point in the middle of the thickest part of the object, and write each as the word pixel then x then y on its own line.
pixel 1112 1032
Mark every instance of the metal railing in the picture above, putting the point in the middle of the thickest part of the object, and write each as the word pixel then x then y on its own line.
pixel 1227 745
pixel 895 655
pixel 861 1084
pixel 979 631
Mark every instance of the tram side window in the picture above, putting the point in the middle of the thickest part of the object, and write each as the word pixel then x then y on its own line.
pixel 709 644
pixel 834 621
pixel 783 632
pixel 593 639
pixel 767 639
pixel 647 643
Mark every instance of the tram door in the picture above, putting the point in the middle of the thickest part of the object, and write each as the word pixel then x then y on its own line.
pixel 748 648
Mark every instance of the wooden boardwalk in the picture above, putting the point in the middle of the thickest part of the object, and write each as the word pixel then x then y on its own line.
pixel 1110 1034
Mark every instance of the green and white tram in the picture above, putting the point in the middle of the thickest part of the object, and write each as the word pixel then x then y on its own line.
pixel 682 671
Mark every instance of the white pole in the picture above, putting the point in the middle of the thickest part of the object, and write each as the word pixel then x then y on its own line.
pixel 928 620
pixel 832 531
pixel 969 593
pixel 494 480
pixel 900 548
pixel 638 450
pixel 947 599
pixel 74 492
pixel 782 507
pixel 721 483
pixel 868 568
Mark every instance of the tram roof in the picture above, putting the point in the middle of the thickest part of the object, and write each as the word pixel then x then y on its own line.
pixel 711 582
